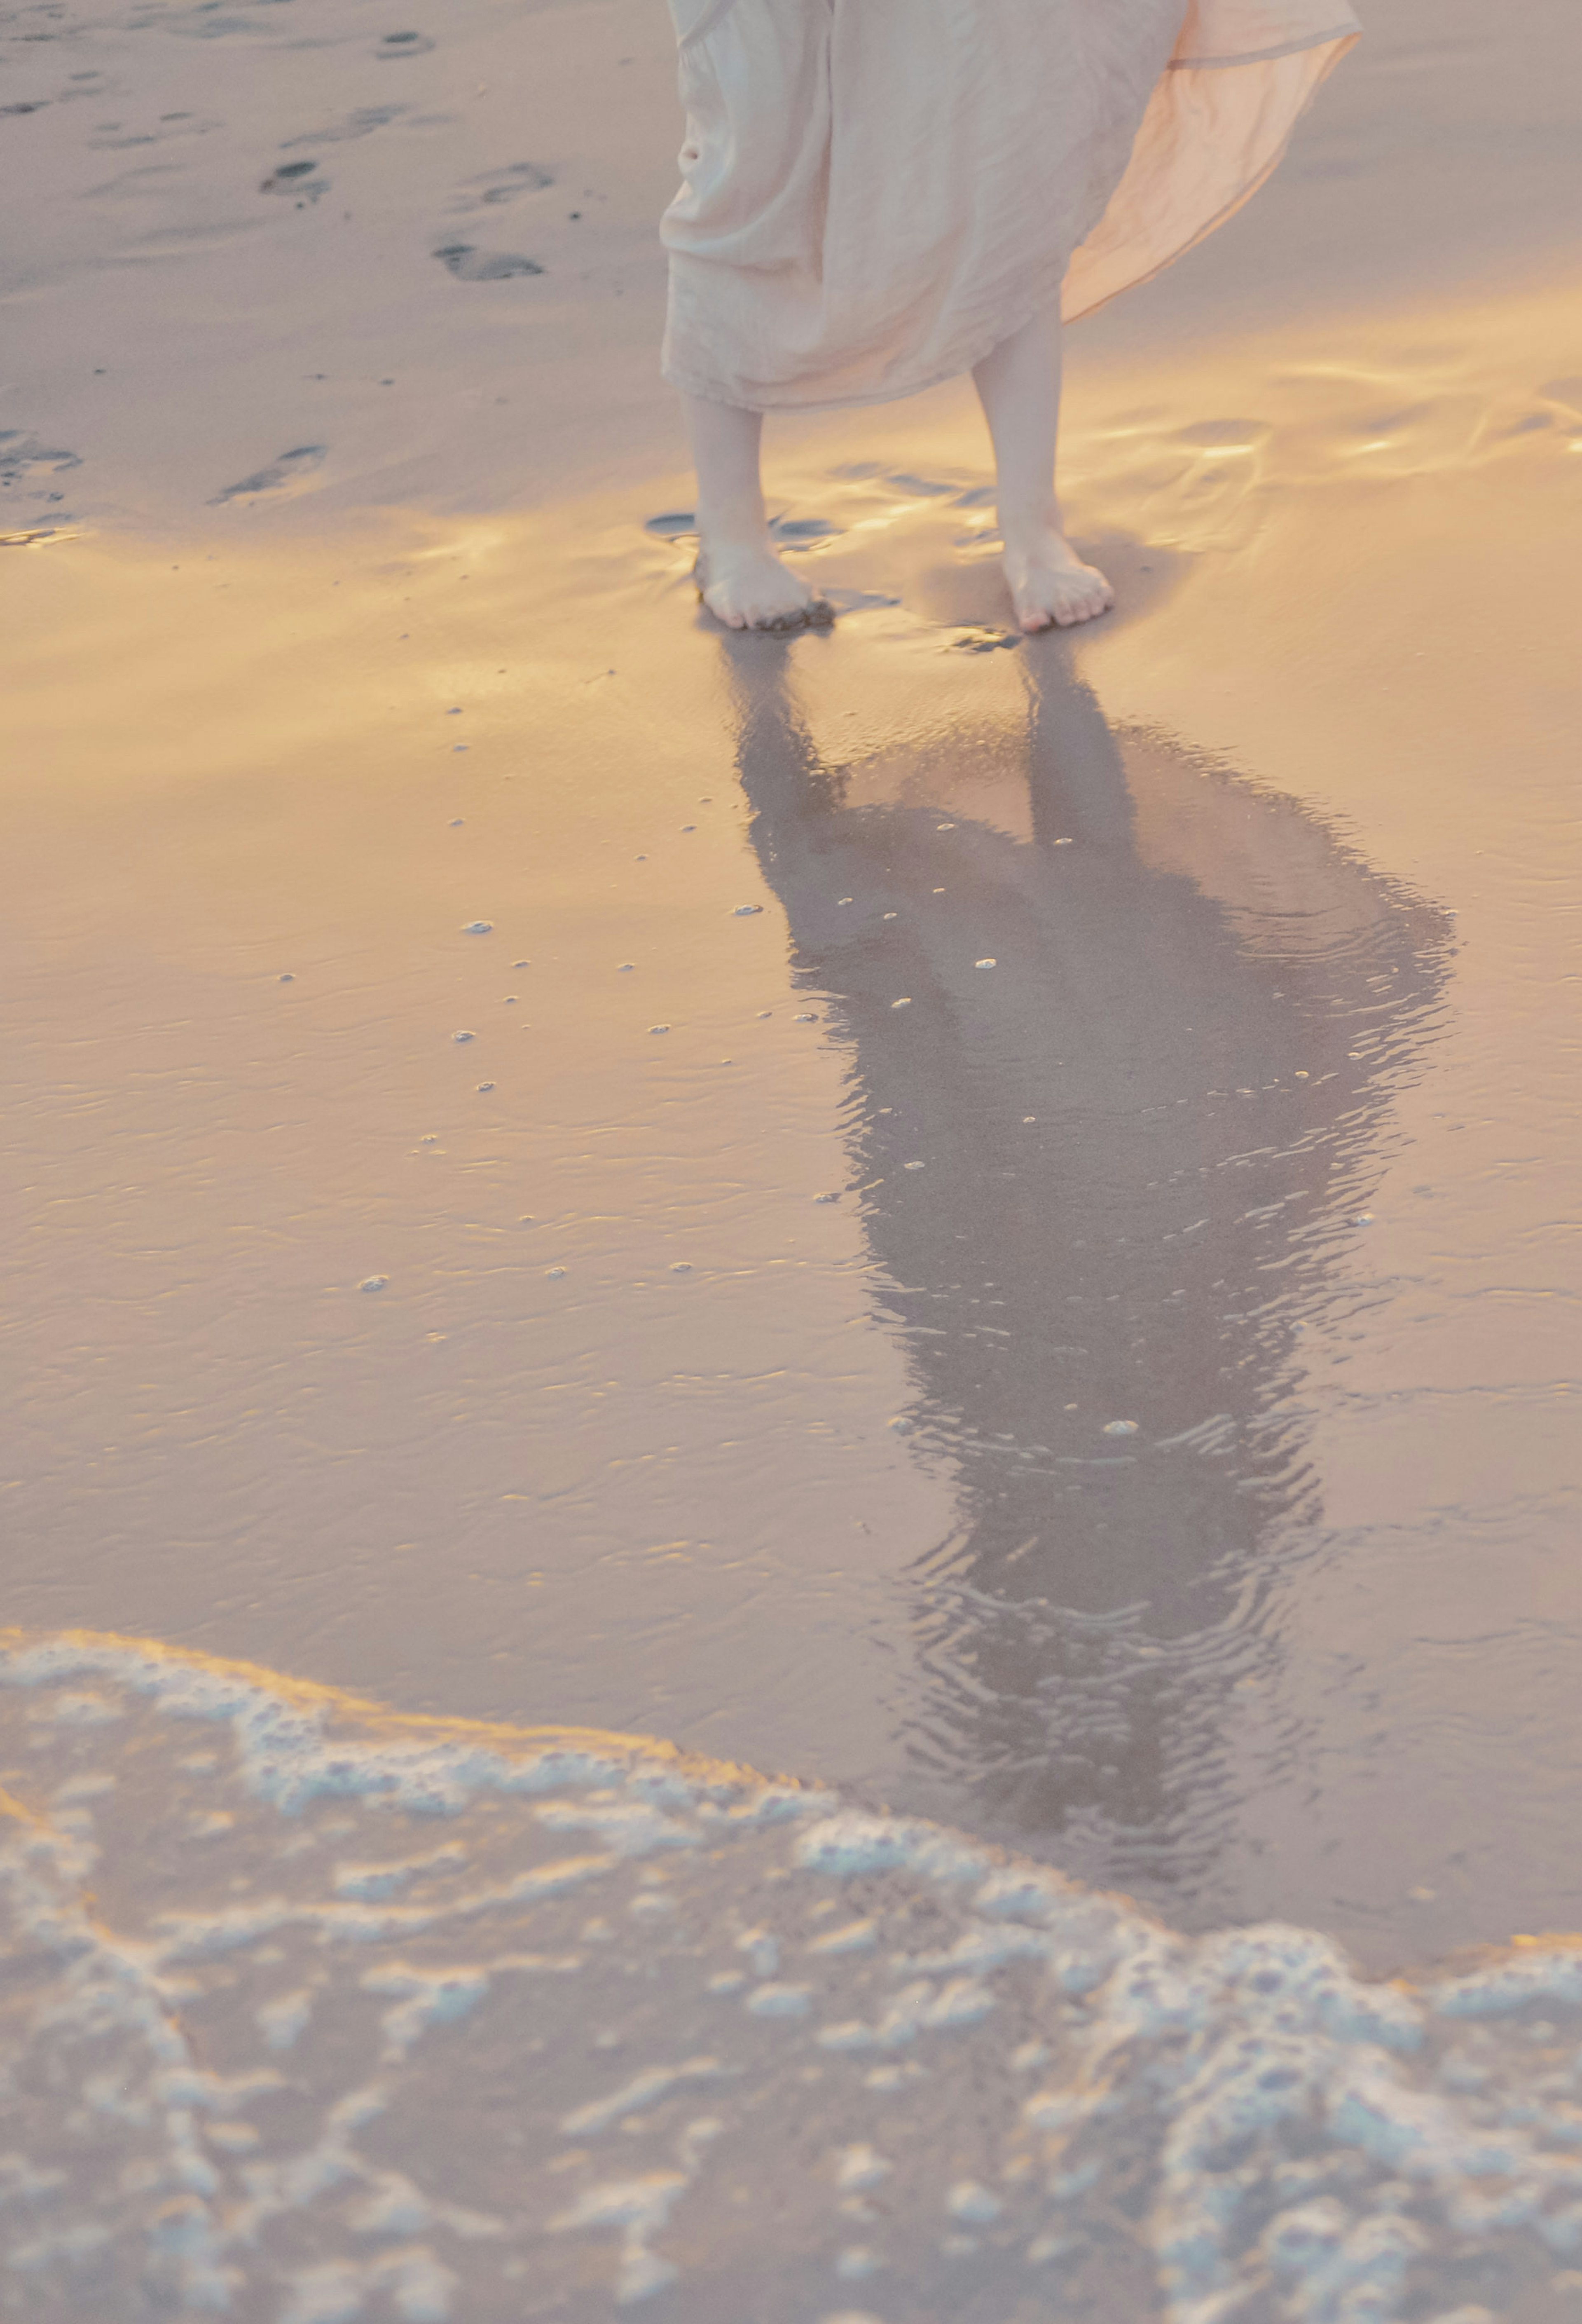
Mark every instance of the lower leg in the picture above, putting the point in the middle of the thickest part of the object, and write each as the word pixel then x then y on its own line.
pixel 1018 386
pixel 741 577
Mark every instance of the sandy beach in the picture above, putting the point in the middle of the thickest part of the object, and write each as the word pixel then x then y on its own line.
pixel 986 1226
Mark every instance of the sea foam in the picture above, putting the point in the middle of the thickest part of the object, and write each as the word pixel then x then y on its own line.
pixel 343 2015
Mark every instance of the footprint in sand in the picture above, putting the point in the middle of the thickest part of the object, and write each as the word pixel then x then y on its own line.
pixel 288 472
pixel 362 123
pixel 802 532
pixel 403 44
pixel 978 639
pixel 496 187
pixel 22 457
pixel 470 265
pixel 797 532
pixel 170 125
pixel 295 177
pixel 201 26
pixel 147 179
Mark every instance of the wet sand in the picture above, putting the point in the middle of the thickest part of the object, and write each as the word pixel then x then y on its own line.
pixel 988 1223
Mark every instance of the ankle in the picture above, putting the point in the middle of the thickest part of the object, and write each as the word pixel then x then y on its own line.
pixel 740 521
pixel 1022 523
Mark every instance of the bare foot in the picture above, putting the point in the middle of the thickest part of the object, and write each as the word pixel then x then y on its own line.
pixel 744 585
pixel 1049 585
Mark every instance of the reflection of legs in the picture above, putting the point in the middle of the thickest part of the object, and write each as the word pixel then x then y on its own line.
pixel 1077 782
pixel 1018 386
pixel 743 582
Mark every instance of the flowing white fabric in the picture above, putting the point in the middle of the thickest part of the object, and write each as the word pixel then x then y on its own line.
pixel 877 192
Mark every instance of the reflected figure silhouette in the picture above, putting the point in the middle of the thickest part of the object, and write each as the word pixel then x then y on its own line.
pixel 1143 1134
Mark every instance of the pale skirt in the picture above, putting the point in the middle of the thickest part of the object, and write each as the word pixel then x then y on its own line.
pixel 877 192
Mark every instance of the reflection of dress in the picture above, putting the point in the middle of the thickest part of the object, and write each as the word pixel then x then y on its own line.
pixel 877 192
pixel 1142 1134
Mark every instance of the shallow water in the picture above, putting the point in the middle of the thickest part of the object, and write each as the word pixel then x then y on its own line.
pixel 990 1225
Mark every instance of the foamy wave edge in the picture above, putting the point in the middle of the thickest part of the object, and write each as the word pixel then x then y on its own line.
pixel 1314 2144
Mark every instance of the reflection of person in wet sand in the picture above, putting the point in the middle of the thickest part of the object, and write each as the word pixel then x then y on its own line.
pixel 881 194
pixel 1108 1149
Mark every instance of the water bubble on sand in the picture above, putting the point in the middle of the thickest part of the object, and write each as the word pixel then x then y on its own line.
pixel 478 928
pixel 845 899
pixel 507 1001
pixel 856 2262
pixel 765 1012
pixel 914 1166
pixel 780 2001
pixel 659 1029
pixel 805 1017
pixel 681 1266
pixel 967 2200
pixel 746 912
pixel 457 822
pixel 985 963
pixel 554 1273
pixel 287 977
pixel 521 964
pixel 464 1037
pixel 859 2168
pixel 826 1198
pixel 892 916
pixel 689 826
pixel 1029 1117
pixel 485 1086
pixel 429 1138
pixel 904 1001
pixel 1062 843
pixel 1363 1219
pixel 902 1426
pixel 454 711
pixel 373 1283
pixel 1120 1428
pixel 944 827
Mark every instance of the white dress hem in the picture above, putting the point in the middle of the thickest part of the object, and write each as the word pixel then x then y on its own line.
pixel 801 283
